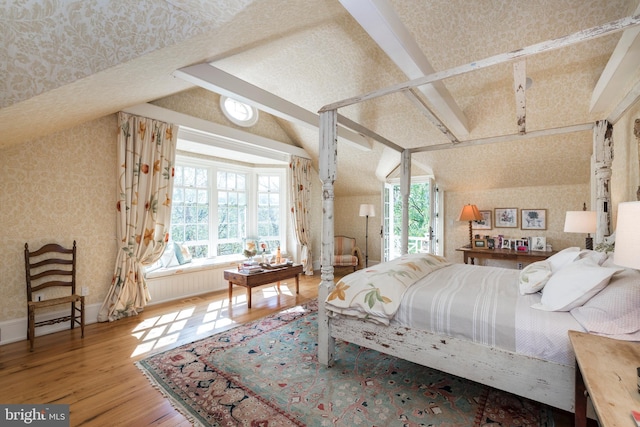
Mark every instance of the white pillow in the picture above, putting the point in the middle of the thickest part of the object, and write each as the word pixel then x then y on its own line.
pixel 169 258
pixel 534 276
pixel 615 311
pixel 563 258
pixel 574 285
pixel 597 257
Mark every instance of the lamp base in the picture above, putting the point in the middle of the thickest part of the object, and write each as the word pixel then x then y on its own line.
pixel 588 243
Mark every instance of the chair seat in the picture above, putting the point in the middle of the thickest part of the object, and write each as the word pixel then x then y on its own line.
pixel 345 260
pixel 55 301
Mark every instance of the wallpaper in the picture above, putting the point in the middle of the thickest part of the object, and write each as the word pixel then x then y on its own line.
pixel 59 188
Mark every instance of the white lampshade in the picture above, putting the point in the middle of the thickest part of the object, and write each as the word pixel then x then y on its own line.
pixel 580 222
pixel 367 210
pixel 627 248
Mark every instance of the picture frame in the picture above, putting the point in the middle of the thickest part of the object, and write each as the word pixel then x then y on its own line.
pixel 506 217
pixel 522 245
pixel 480 243
pixel 533 219
pixel 484 223
pixel 506 244
pixel 538 243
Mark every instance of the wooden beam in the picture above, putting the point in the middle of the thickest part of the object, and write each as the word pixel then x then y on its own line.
pixel 630 99
pixel 417 100
pixel 239 138
pixel 367 132
pixel 546 46
pixel 385 27
pixel 622 64
pixel 506 138
pixel 211 78
pixel 519 85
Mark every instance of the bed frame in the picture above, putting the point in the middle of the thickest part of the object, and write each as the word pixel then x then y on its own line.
pixel 536 379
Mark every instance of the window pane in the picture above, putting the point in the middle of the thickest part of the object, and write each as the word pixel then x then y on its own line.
pixel 202 178
pixel 189 177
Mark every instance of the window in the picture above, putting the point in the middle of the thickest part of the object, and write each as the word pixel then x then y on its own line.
pixel 216 206
pixel 238 112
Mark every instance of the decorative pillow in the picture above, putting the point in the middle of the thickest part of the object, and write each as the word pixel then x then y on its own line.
pixel 615 311
pixel 596 256
pixel 168 258
pixel 574 285
pixel 563 258
pixel 534 276
pixel 182 254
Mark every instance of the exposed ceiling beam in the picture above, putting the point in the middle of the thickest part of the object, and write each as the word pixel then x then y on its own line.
pixel 613 82
pixel 630 99
pixel 366 131
pixel 381 22
pixel 506 138
pixel 211 78
pixel 417 100
pixel 240 139
pixel 546 46
pixel 519 85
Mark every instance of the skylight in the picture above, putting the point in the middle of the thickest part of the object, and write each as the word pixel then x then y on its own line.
pixel 238 112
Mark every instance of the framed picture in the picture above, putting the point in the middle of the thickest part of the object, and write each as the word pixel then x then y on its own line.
pixel 506 244
pixel 506 217
pixel 534 219
pixel 522 245
pixel 484 223
pixel 480 243
pixel 538 244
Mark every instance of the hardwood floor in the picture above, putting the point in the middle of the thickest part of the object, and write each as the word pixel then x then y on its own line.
pixel 96 375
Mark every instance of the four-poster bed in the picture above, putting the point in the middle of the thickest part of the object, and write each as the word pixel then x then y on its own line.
pixel 533 377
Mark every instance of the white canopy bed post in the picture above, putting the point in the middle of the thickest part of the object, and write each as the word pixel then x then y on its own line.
pixel 603 153
pixel 328 167
pixel 405 188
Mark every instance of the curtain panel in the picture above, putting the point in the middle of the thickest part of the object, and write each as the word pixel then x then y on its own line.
pixel 146 160
pixel 300 205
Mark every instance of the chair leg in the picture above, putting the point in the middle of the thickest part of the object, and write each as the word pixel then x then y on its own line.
pixel 31 327
pixel 82 317
pixel 73 314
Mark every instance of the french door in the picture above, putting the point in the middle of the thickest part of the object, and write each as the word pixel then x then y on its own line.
pixel 424 202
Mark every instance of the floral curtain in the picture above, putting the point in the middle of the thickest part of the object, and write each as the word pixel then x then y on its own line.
pixel 300 204
pixel 146 157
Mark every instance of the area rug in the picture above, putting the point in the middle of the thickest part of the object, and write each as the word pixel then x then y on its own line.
pixel 266 373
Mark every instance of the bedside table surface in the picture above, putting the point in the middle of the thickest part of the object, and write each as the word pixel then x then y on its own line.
pixel 609 369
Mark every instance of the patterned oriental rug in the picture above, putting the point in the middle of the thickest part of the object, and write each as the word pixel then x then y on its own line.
pixel 266 373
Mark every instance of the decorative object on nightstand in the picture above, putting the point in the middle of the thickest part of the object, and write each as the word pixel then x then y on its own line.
pixel 470 213
pixel 583 221
pixel 368 211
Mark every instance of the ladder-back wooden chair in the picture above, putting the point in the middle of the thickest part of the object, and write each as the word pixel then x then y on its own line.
pixel 52 266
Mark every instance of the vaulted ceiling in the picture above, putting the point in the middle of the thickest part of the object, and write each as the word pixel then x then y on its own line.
pixel 67 62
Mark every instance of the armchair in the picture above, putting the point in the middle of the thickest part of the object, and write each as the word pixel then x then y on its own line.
pixel 346 253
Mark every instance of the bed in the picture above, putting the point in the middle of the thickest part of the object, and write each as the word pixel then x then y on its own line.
pixel 501 327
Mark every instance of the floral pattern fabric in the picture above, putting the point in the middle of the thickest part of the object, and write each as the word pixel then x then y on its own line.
pixel 300 203
pixel 146 160
pixel 375 293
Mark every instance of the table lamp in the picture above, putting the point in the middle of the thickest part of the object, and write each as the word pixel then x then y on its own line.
pixel 583 221
pixel 470 213
pixel 627 248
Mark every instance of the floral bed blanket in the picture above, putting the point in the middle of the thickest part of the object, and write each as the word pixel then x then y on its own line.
pixel 375 293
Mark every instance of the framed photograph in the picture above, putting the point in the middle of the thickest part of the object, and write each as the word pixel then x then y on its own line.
pixel 491 243
pixel 506 217
pixel 484 223
pixel 522 245
pixel 538 244
pixel 506 244
pixel 480 243
pixel 534 219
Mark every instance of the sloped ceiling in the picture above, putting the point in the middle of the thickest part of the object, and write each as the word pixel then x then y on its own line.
pixel 66 62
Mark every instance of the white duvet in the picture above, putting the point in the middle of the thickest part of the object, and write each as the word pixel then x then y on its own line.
pixel 483 304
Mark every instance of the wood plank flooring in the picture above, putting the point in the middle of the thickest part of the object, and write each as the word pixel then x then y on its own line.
pixel 96 375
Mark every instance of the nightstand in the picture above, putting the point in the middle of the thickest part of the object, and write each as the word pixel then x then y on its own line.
pixel 606 371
